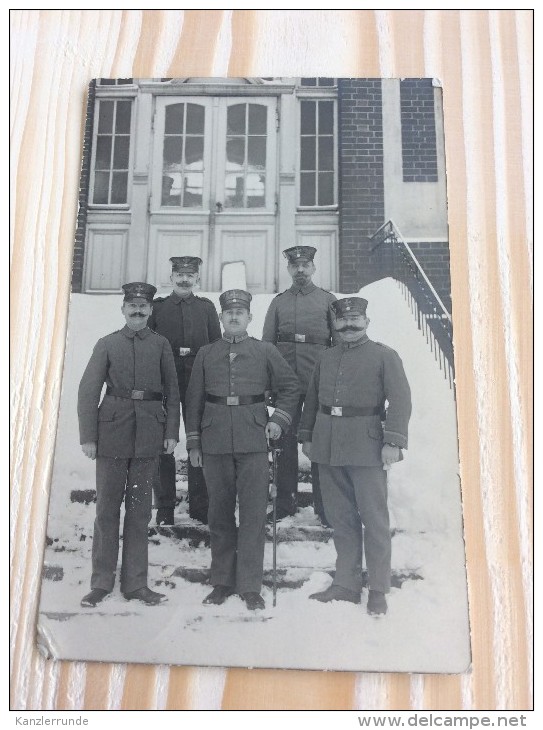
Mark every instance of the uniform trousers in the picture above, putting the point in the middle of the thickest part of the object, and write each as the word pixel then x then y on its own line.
pixel 355 500
pixel 287 472
pixel 131 479
pixel 237 553
pixel 165 492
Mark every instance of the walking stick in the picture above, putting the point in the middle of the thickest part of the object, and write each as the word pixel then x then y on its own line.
pixel 273 494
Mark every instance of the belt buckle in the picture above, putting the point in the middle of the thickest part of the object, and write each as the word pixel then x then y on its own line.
pixel 232 400
pixel 137 394
pixel 184 351
pixel 336 411
pixel 299 338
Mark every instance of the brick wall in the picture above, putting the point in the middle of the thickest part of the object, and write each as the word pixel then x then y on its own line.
pixel 360 167
pixel 435 260
pixel 419 153
pixel 79 247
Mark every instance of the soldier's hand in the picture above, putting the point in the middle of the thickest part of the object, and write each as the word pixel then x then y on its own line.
pixel 306 449
pixel 195 456
pixel 390 455
pixel 89 449
pixel 169 445
pixel 273 430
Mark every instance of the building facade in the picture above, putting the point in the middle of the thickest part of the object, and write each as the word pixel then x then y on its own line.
pixel 236 170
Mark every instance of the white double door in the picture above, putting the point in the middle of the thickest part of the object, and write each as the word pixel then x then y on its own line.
pixel 214 188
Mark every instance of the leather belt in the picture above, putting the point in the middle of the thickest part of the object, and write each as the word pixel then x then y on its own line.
pixel 308 339
pixel 350 411
pixel 135 394
pixel 235 400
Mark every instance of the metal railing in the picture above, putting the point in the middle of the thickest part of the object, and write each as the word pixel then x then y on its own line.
pixel 433 319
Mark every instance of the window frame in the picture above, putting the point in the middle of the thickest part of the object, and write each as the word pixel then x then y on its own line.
pixel 316 94
pixel 114 98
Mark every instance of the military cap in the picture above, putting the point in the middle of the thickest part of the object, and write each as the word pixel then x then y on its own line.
pixel 299 252
pixel 189 264
pixel 139 290
pixel 349 304
pixel 235 298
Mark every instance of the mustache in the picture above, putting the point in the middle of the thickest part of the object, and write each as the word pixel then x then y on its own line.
pixel 350 328
pixel 138 314
pixel 184 284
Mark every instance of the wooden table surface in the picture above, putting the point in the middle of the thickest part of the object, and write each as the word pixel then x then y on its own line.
pixel 484 60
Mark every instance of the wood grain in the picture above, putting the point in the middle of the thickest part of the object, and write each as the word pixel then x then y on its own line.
pixel 484 61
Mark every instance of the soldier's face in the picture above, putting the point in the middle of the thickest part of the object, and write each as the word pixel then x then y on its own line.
pixel 301 272
pixel 236 320
pixel 136 313
pixel 351 326
pixel 183 282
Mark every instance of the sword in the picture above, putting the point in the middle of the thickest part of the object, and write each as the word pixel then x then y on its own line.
pixel 273 493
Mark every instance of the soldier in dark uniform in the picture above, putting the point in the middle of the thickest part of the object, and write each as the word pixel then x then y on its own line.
pixel 136 421
pixel 341 429
pixel 187 322
pixel 228 430
pixel 299 322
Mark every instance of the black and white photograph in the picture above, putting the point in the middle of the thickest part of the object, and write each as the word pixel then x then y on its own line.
pixel 256 460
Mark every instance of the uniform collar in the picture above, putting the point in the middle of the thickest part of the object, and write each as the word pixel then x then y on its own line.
pixel 176 299
pixel 303 290
pixel 142 334
pixel 235 338
pixel 351 345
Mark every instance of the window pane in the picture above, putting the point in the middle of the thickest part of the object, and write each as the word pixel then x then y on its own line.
pixel 173 150
pixel 195 119
pixel 122 120
pixel 326 188
pixel 103 153
pixel 326 117
pixel 234 186
pixel 120 153
pixel 125 81
pixel 171 195
pixel 235 119
pixel 256 153
pixel 308 157
pixel 256 186
pixel 193 192
pixel 257 119
pixel 325 82
pixel 107 82
pixel 194 152
pixel 235 152
pixel 101 187
pixel 173 123
pixel 118 187
pixel 307 125
pixel 105 117
pixel 307 188
pixel 309 82
pixel 326 153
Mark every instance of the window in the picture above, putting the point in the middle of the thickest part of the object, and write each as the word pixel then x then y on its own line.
pixel 245 172
pixel 317 82
pixel 115 82
pixel 183 156
pixel 317 152
pixel 112 152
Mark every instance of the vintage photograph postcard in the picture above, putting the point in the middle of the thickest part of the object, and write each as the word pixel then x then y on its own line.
pixel 256 460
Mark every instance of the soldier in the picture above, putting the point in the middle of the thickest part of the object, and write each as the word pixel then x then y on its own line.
pixel 341 430
pixel 228 430
pixel 137 419
pixel 187 322
pixel 299 322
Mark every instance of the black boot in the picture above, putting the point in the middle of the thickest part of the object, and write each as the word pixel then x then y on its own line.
pixel 377 603
pixel 95 597
pixel 253 600
pixel 218 595
pixel 164 516
pixel 336 593
pixel 146 595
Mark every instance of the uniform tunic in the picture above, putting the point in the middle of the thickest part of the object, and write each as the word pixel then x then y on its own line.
pixel 302 311
pixel 234 447
pixel 130 436
pixel 348 451
pixel 188 323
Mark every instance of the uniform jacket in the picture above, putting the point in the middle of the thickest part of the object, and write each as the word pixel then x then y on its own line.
pixel 304 311
pixel 360 374
pixel 237 366
pixel 123 427
pixel 185 322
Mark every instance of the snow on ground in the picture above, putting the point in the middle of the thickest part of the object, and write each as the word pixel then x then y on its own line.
pixel 426 628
